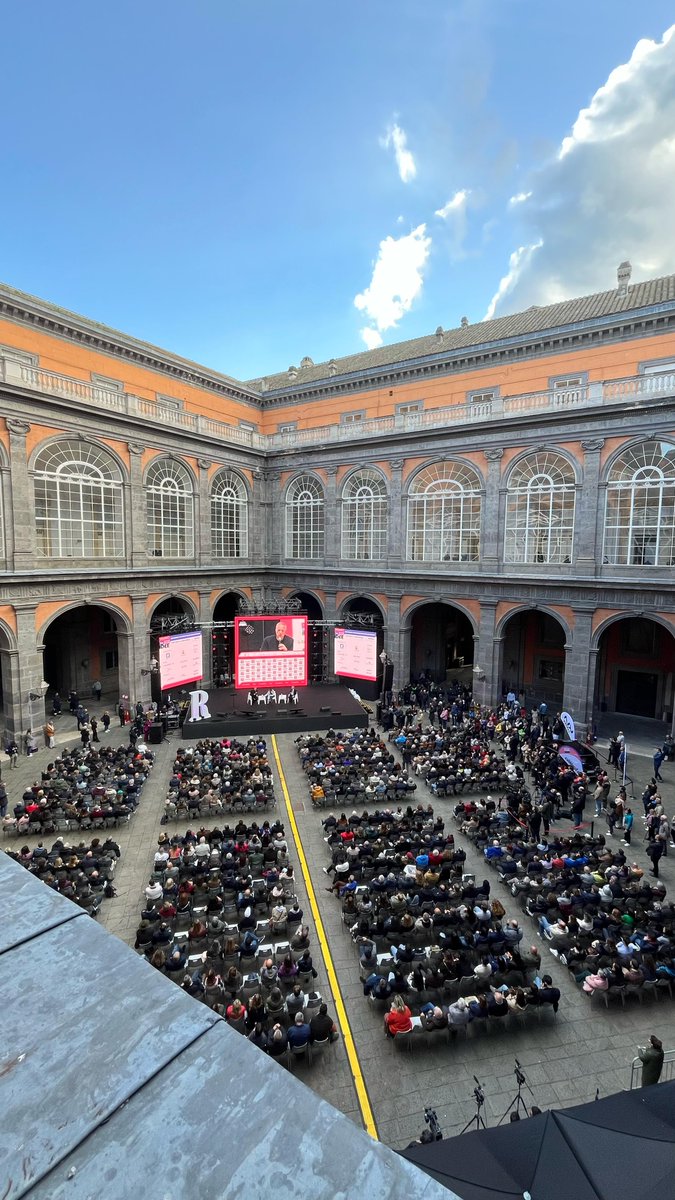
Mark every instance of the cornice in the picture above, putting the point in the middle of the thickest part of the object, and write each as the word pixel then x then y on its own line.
pixel 70 327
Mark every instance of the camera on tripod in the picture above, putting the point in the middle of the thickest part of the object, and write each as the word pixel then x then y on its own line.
pixel 519 1073
pixel 478 1093
pixel 433 1133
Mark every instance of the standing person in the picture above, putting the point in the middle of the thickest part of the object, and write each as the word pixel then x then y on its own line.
pixel 56 705
pixel 657 760
pixel 654 851
pixel 73 701
pixel 122 714
pixel 49 730
pixel 96 690
pixel 13 754
pixel 94 730
pixel 84 735
pixel 651 1057
pixel 105 719
pixel 628 819
pixel 3 801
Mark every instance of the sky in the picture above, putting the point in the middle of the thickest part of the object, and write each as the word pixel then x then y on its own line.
pixel 248 182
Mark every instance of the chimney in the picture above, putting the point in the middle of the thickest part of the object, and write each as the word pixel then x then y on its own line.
pixel 623 275
pixel 464 322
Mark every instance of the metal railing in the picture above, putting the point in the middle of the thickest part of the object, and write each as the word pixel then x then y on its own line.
pixel 668 1071
pixel 633 389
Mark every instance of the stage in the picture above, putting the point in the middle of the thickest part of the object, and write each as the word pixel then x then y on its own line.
pixel 319 707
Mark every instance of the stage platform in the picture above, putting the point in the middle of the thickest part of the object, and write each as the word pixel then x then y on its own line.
pixel 319 707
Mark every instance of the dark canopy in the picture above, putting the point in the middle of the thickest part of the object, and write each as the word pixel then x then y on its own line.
pixel 621 1146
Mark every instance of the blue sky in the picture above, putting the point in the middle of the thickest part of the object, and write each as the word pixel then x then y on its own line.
pixel 246 182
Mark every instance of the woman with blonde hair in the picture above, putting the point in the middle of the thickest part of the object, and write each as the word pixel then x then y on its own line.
pixel 399 1017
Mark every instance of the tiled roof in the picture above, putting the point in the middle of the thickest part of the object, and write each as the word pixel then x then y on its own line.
pixel 533 320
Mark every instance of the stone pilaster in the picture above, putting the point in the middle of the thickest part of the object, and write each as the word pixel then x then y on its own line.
pixel 203 515
pixel 136 516
pixel 275 511
pixel 397 524
pixel 588 518
pixel 30 674
pixel 332 520
pixel 491 545
pixel 23 499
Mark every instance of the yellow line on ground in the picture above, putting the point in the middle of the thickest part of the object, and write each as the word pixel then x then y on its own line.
pixel 354 1063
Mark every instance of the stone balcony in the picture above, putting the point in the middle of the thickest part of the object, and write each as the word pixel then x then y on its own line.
pixel 633 391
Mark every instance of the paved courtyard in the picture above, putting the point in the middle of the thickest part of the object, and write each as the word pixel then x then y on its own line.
pixel 565 1060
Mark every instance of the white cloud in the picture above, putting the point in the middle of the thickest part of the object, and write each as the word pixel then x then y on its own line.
pixel 520 198
pixel 397 280
pixel 371 337
pixel 456 204
pixel 396 138
pixel 608 193
pixel 517 264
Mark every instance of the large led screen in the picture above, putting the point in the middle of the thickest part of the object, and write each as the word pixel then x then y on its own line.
pixel 355 653
pixel 270 652
pixel 180 659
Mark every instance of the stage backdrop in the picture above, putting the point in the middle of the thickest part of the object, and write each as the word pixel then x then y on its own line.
pixel 270 652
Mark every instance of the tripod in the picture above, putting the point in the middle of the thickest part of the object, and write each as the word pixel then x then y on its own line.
pixel 517 1103
pixel 477 1118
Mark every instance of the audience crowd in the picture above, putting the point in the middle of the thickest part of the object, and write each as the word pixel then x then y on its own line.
pixel 83 873
pixel 226 775
pixel 92 788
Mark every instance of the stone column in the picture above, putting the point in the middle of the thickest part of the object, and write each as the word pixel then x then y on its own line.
pixel 491 553
pixel 332 520
pixel 136 518
pixel 23 499
pixel 205 616
pixel 487 656
pixel 137 654
pixel 13 714
pixel 397 525
pixel 203 516
pixel 30 670
pixel 588 520
pixel 580 668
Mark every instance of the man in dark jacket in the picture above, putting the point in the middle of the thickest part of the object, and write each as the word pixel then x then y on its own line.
pixel 651 1057
pixel 322 1026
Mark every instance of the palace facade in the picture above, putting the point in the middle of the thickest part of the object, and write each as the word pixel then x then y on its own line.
pixel 498 500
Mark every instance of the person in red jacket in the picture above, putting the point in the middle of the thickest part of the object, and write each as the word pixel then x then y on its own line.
pixel 398 1019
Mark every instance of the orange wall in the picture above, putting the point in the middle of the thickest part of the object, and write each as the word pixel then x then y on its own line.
pixel 70 358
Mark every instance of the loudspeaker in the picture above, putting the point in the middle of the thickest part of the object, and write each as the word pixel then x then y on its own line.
pixel 325 708
pixel 155 733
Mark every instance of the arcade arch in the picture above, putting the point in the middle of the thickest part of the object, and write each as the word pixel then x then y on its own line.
pixel 635 667
pixel 441 642
pixel 533 657
pixel 81 648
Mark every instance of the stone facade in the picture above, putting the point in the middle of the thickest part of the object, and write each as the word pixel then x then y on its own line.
pixel 614 406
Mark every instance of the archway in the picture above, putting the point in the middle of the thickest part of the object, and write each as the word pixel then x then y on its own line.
pixel 441 643
pixel 361 612
pixel 80 650
pixel 318 665
pixel 636 669
pixel 222 640
pixel 533 657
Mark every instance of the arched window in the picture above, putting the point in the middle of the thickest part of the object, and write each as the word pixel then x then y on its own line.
pixel 540 510
pixel 444 507
pixel 364 516
pixel 78 502
pixel 229 516
pixel 304 518
pixel 640 507
pixel 170 502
